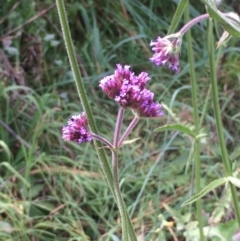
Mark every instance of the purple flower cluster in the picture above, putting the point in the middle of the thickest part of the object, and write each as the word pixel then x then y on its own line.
pixel 130 91
pixel 76 129
pixel 166 51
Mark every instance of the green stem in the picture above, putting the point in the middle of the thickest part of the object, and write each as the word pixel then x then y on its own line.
pixel 196 123
pixel 119 197
pixel 177 16
pixel 219 125
pixel 83 97
pixel 103 140
pixel 128 130
pixel 204 111
pixel 118 127
pixel 126 222
pixel 121 205
pixel 81 91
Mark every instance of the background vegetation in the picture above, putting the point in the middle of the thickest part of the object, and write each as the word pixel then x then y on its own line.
pixel 54 190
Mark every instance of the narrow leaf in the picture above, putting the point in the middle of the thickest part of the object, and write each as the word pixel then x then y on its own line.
pixel 130 141
pixel 177 16
pixel 6 149
pixel 229 25
pixel 176 127
pixel 216 183
pixel 16 173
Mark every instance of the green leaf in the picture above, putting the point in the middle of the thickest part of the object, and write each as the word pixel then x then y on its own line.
pixel 35 190
pixel 235 154
pixel 216 183
pixel 220 211
pixel 228 229
pixel 130 141
pixel 176 127
pixel 177 16
pixel 210 232
pixel 16 173
pixel 44 205
pixel 235 181
pixel 6 149
pixel 229 25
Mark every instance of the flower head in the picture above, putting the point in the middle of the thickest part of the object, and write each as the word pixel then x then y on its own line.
pixel 166 51
pixel 124 86
pixel 76 129
pixel 129 90
pixel 148 107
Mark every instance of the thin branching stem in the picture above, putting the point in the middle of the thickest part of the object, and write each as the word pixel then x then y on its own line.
pixel 103 140
pixel 128 130
pixel 120 201
pixel 200 18
pixel 127 228
pixel 118 126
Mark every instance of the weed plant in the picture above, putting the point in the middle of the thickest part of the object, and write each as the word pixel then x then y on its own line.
pixel 51 189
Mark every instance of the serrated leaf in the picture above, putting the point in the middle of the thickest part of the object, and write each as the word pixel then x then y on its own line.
pixel 216 183
pixel 235 181
pixel 229 25
pixel 176 127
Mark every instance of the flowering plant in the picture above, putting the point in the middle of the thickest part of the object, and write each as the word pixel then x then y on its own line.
pixel 129 91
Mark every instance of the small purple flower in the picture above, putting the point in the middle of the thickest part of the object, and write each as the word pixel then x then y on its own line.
pixel 129 90
pixel 77 129
pixel 112 84
pixel 166 51
pixel 148 107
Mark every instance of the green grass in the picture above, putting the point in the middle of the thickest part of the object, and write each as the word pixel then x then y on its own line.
pixel 55 190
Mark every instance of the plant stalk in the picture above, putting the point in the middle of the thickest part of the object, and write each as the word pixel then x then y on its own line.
pixel 119 197
pixel 126 222
pixel 103 140
pixel 84 101
pixel 128 130
pixel 121 205
pixel 82 93
pixel 196 123
pixel 219 125
pixel 118 127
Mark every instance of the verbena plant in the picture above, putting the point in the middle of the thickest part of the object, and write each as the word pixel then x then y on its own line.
pixel 129 91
